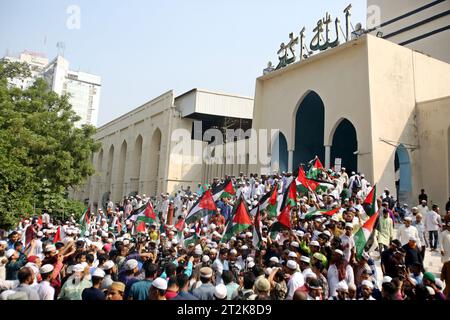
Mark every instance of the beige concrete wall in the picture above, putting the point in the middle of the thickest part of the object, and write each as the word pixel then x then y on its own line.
pixel 143 121
pixel 339 76
pixel 437 45
pixel 393 103
pixel 433 120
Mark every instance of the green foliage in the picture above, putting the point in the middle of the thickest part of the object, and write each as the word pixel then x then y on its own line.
pixel 42 153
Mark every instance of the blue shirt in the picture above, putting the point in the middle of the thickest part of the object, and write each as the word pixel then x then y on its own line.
pixel 184 296
pixel 139 290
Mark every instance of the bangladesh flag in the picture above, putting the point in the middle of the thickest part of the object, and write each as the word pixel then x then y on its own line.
pixel 257 230
pixel 283 221
pixel 364 233
pixel 321 212
pixel 225 190
pixel 240 222
pixel 85 220
pixel 204 205
pixel 370 203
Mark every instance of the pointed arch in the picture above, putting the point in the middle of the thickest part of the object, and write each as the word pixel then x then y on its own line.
pixel 279 154
pixel 136 165
pixel 120 186
pixel 403 174
pixel 108 187
pixel 344 144
pixel 308 129
pixel 154 163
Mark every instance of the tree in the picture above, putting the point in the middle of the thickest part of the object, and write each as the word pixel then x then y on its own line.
pixel 42 152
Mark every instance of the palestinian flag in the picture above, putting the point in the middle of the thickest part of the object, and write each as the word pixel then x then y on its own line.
pixel 147 215
pixel 269 201
pixel 303 183
pixel 314 170
pixel 321 212
pixel 57 237
pixel 225 190
pixel 240 222
pixel 204 205
pixel 370 203
pixel 320 185
pixel 283 221
pixel 290 196
pixel 257 230
pixel 191 239
pixel 85 220
pixel 180 227
pixel 364 233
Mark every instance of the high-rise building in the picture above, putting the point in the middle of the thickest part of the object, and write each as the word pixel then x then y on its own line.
pixel 83 88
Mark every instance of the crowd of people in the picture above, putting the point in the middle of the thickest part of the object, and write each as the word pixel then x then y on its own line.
pixel 105 256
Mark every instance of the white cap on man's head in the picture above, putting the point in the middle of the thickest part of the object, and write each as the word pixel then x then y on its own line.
pixel 131 264
pixel 291 264
pixel 386 279
pixel 274 259
pixel 220 291
pixel 367 283
pixel 108 265
pixel 160 283
pixel 98 273
pixel 46 268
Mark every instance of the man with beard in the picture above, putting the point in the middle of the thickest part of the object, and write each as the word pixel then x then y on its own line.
pixel 412 253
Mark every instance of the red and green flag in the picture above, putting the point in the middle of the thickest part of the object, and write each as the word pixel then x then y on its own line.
pixel 321 212
pixel 241 220
pixel 225 190
pixel 290 196
pixel 314 170
pixel 85 220
pixel 204 206
pixel 57 237
pixel 283 221
pixel 370 203
pixel 364 233
pixel 268 201
pixel 145 216
pixel 191 239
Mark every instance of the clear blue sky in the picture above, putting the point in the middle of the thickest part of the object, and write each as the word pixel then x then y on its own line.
pixel 144 48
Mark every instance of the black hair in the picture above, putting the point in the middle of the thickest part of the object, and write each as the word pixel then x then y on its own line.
pixel 12 234
pixel 150 269
pixel 227 276
pixel 90 258
pixel 182 279
pixel 102 258
pixel 171 281
pixel 17 244
pixel 249 280
pixel 170 269
pixel 96 280
pixel 24 273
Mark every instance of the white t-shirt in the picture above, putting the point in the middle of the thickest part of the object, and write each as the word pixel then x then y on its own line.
pixel 296 281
